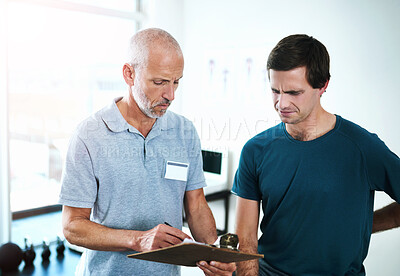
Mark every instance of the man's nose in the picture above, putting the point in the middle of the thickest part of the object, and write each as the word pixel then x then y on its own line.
pixel 169 92
pixel 283 101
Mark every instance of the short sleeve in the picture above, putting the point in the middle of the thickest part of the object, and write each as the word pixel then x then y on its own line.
pixel 383 167
pixel 245 183
pixel 79 185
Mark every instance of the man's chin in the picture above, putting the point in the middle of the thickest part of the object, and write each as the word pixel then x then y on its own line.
pixel 158 114
pixel 289 121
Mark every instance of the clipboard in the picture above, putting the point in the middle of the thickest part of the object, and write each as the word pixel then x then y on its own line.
pixel 188 254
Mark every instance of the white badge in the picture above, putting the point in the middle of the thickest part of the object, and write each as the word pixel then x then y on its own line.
pixel 176 171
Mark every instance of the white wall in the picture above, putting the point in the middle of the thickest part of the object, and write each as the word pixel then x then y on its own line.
pixel 361 36
pixel 168 15
pixel 363 40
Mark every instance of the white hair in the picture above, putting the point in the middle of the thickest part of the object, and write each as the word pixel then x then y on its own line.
pixel 144 40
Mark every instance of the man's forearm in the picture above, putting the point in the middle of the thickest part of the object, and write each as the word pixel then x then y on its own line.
pixel 248 268
pixel 386 218
pixel 202 224
pixel 247 217
pixel 94 236
pixel 89 234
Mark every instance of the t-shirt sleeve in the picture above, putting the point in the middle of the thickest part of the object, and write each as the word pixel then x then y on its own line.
pixel 195 178
pixel 383 167
pixel 79 185
pixel 245 183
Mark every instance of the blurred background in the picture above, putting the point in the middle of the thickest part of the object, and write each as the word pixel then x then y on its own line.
pixel 60 61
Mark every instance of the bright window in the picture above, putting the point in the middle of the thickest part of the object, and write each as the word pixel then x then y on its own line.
pixel 63 64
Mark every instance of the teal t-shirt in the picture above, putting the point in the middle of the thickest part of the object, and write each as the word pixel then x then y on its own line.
pixel 317 196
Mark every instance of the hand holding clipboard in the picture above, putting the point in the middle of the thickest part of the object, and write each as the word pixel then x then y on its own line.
pixel 189 252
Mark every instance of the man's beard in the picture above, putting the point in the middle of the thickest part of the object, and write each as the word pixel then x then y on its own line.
pixel 145 105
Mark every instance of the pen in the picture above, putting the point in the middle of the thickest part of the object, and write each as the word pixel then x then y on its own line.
pixel 166 223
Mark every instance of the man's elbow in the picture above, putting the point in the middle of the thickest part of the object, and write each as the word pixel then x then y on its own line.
pixel 72 230
pixel 69 232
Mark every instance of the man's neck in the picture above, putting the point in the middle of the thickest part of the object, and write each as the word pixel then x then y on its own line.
pixel 134 116
pixel 314 126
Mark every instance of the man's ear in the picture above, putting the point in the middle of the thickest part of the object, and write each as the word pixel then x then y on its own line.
pixel 129 74
pixel 323 89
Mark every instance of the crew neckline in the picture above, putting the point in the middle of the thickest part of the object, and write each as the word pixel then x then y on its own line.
pixel 316 140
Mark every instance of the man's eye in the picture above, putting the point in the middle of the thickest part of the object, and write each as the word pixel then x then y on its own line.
pixel 158 82
pixel 275 91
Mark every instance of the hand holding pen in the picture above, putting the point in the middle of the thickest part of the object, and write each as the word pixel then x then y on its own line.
pixel 163 235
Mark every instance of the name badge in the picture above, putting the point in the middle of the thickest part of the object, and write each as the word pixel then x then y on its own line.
pixel 176 171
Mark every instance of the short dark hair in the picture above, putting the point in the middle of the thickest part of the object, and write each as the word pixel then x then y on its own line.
pixel 301 50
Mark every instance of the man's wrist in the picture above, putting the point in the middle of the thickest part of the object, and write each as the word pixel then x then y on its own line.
pixel 134 240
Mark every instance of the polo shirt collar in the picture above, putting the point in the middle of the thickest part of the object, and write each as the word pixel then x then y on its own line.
pixel 114 120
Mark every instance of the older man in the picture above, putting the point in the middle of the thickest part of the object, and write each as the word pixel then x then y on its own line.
pixel 133 166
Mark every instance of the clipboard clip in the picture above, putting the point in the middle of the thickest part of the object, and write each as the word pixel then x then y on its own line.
pixel 229 241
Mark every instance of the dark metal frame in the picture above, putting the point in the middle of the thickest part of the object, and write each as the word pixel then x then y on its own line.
pixel 36 211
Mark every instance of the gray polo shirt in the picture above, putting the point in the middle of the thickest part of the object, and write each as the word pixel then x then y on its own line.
pixel 111 168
